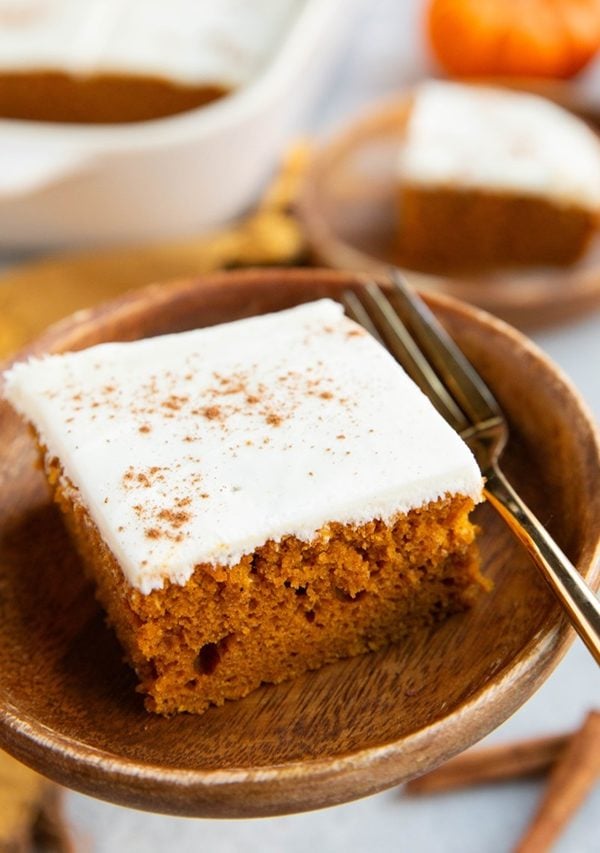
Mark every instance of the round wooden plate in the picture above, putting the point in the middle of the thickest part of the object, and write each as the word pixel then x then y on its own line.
pixel 68 706
pixel 348 208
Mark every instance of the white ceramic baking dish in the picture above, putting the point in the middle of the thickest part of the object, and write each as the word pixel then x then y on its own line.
pixel 75 185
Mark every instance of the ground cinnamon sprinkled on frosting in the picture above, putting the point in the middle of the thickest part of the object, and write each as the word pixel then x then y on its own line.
pixel 175 517
pixel 212 413
pixel 174 402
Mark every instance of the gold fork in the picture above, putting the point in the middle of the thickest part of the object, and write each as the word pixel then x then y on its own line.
pixel 436 364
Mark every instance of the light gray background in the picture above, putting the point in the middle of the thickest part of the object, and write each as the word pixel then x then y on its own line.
pixel 386 53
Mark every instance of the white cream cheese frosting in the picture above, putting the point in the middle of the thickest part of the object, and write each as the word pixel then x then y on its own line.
pixel 191 42
pixel 499 140
pixel 199 447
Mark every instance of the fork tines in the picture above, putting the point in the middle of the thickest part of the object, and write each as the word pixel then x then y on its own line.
pixel 405 324
pixel 412 333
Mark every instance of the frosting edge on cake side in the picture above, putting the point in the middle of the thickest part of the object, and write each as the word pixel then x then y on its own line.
pixel 479 137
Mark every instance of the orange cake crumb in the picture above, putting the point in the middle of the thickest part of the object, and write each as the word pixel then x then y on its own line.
pixel 254 500
pixel 286 608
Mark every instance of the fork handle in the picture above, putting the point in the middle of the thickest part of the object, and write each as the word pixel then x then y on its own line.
pixel 577 599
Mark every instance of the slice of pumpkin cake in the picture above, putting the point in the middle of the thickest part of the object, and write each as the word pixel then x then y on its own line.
pixel 255 499
pixel 494 178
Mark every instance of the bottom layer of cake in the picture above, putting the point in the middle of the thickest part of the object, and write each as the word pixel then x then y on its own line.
pixel 445 230
pixel 289 607
pixel 55 96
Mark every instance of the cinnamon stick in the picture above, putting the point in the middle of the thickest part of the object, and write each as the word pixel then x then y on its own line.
pixel 572 778
pixel 493 764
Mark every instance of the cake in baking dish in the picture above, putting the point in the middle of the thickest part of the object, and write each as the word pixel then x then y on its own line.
pixel 494 178
pixel 107 61
pixel 255 499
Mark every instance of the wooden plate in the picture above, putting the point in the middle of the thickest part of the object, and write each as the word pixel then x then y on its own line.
pixel 67 703
pixel 348 210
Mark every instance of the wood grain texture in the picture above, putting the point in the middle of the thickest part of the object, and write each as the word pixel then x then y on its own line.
pixel 348 207
pixel 67 703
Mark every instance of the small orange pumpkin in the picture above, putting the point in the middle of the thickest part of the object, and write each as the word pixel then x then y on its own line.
pixel 529 38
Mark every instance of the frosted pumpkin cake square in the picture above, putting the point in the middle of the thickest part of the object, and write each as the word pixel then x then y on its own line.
pixel 255 499
pixel 494 178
